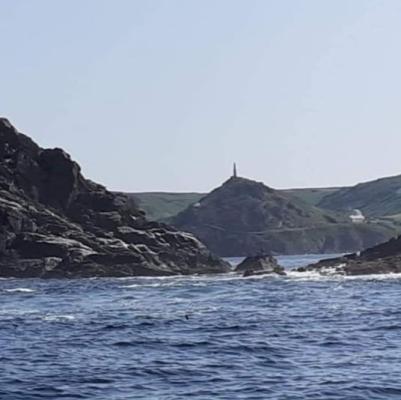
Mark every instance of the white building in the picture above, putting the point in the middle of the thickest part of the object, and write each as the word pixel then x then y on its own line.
pixel 357 217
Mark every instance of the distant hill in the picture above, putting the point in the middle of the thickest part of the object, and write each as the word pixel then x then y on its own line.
pixel 312 196
pixel 162 205
pixel 244 217
pixel 378 198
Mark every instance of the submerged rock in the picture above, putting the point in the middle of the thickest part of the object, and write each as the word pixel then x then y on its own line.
pixel 260 265
pixel 382 259
pixel 56 223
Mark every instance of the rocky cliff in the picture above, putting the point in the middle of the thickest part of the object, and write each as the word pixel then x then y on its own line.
pixel 382 259
pixel 243 217
pixel 56 223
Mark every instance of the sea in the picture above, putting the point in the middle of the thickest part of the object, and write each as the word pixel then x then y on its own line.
pixel 303 336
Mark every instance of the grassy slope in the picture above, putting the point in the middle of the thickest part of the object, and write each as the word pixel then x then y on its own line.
pixel 377 198
pixel 162 205
pixel 311 196
pixel 244 217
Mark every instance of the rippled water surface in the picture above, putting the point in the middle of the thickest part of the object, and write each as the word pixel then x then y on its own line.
pixel 297 337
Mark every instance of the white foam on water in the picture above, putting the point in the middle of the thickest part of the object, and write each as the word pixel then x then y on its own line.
pixel 149 285
pixel 19 290
pixel 330 274
pixel 58 318
pixel 375 277
pixel 304 276
pixel 323 274
pixel 127 278
pixel 177 280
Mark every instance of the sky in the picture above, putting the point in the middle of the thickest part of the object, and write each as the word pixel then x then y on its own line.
pixel 164 95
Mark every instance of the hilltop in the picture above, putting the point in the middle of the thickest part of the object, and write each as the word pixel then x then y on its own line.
pixel 244 217
pixel 160 206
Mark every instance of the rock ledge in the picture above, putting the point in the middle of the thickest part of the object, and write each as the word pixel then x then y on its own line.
pixel 260 265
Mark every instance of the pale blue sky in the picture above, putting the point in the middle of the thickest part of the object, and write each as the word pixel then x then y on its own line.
pixel 165 95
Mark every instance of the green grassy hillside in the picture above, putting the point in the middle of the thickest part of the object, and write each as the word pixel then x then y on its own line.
pixel 312 196
pixel 162 205
pixel 377 198
pixel 244 217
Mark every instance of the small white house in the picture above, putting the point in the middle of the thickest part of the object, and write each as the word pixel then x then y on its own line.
pixel 357 217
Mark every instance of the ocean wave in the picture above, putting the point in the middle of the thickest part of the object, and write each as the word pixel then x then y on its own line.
pixel 330 274
pixel 376 277
pixel 19 290
pixel 58 318
pixel 300 336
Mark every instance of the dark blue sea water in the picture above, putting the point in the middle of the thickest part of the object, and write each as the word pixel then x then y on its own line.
pixel 297 337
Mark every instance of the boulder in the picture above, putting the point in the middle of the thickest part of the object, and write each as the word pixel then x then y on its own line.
pixel 260 265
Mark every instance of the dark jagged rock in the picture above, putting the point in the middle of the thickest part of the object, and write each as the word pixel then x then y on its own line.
pixel 56 223
pixel 244 217
pixel 382 259
pixel 260 265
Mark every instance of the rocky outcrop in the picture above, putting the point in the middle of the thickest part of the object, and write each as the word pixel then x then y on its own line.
pixel 259 265
pixel 244 217
pixel 56 223
pixel 382 259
